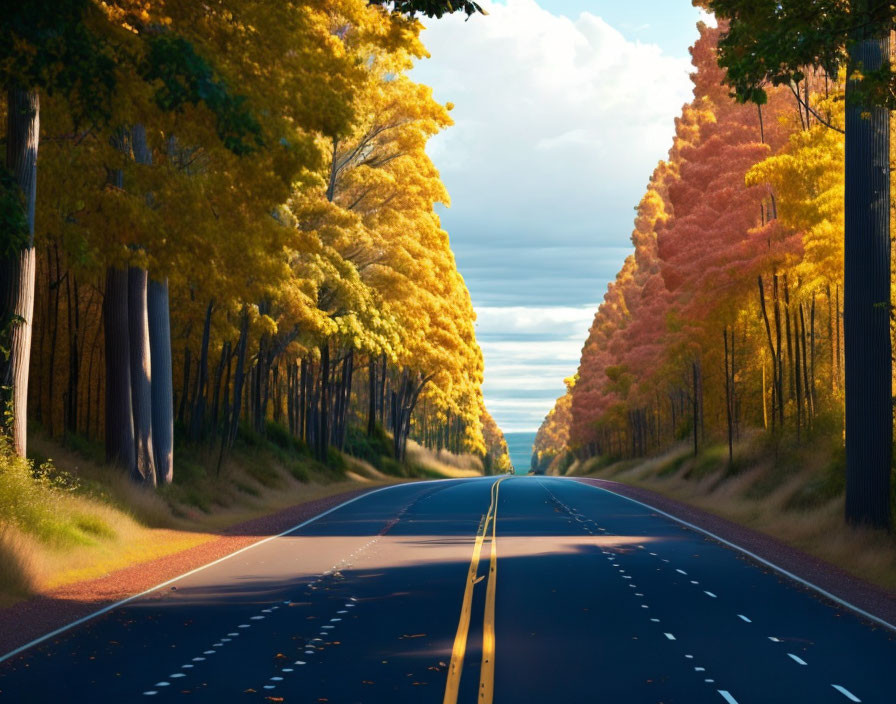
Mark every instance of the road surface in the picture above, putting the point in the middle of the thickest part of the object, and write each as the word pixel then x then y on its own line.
pixel 579 595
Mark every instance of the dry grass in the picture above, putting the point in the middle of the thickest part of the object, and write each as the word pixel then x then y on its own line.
pixel 796 498
pixel 444 463
pixel 89 521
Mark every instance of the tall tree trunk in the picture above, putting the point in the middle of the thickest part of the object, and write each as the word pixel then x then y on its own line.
pixel 90 384
pixel 792 364
pixel 812 356
pixel 141 375
pixel 728 400
pixel 120 449
pixel 303 400
pixel 74 361
pixel 382 393
pixel 866 290
pixel 219 375
pixel 185 386
pixel 696 407
pixel 238 378
pixel 17 263
pixel 371 386
pixel 779 358
pixel 806 388
pixel 225 392
pixel 158 310
pixel 323 440
pixel 197 415
pixel 53 256
pixel 796 377
pixel 831 340
pixel 839 327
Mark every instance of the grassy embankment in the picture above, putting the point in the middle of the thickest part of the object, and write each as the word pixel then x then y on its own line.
pixel 65 516
pixel 793 492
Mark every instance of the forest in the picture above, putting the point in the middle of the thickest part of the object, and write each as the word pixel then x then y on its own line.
pixel 748 320
pixel 218 227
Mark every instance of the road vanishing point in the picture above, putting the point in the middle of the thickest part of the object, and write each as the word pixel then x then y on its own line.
pixel 510 590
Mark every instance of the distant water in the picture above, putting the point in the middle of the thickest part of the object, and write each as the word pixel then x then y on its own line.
pixel 520 447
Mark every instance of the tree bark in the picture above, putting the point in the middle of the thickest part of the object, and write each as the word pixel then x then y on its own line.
pixel 238 378
pixel 120 448
pixel 323 440
pixel 74 360
pixel 371 401
pixel 162 382
pixel 185 386
pixel 728 399
pixel 866 290
pixel 17 267
pixel 197 415
pixel 696 407
pixel 141 375
pixel 219 375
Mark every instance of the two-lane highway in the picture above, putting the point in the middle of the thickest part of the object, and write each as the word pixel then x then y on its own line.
pixel 529 590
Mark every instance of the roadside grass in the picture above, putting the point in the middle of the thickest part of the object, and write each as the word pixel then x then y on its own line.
pixel 66 516
pixel 792 492
pixel 441 464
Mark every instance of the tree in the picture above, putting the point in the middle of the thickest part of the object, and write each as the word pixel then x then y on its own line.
pixel 43 45
pixel 776 42
pixel 431 8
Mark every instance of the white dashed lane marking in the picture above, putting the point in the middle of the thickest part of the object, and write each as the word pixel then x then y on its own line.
pixel 846 693
pixel 796 659
pixel 744 618
pixel 669 636
pixel 727 696
pixel 710 594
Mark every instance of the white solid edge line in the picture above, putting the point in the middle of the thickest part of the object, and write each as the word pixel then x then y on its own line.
pixel 772 565
pixel 122 602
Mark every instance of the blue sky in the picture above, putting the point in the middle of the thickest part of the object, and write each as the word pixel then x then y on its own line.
pixel 562 109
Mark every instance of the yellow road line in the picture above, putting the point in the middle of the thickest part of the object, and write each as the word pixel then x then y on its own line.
pixel 455 668
pixel 487 670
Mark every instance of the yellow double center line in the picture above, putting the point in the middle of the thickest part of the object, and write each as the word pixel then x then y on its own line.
pixel 487 671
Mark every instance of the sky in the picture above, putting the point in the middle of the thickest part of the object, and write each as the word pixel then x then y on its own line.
pixel 562 110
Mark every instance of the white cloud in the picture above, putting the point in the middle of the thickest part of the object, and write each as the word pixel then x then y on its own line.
pixel 559 123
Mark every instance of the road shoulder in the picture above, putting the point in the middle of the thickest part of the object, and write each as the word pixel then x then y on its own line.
pixel 829 578
pixel 27 620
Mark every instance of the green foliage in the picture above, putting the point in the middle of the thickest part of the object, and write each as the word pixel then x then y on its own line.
pixel 672 466
pixel 49 44
pixel 282 438
pixel 335 461
pixel 14 234
pixel 431 8
pixel 375 449
pixel 32 499
pixel 186 78
pixel 775 41
pixel 830 484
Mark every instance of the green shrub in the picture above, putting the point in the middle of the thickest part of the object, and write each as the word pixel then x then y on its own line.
pixel 335 461
pixel 32 498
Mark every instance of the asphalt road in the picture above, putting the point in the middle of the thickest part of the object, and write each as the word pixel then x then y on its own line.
pixel 589 597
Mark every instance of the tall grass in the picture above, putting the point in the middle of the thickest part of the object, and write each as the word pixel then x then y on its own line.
pixel 791 491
